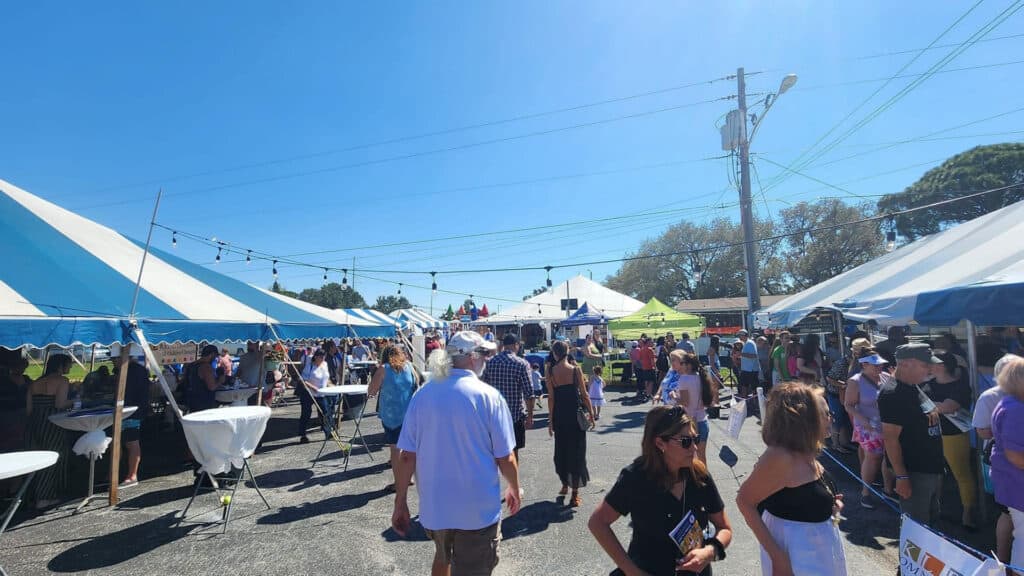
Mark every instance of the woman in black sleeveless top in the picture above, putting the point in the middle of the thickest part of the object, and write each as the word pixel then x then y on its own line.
pixel 788 500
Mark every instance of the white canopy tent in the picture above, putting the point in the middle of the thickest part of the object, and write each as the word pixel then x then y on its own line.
pixel 886 289
pixel 547 306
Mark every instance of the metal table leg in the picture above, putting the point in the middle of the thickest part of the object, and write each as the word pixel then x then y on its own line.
pixel 90 495
pixel 14 508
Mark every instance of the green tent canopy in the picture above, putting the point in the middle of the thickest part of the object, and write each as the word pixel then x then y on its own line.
pixel 655 319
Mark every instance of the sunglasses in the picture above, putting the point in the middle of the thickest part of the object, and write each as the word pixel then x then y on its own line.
pixel 685 441
pixel 671 417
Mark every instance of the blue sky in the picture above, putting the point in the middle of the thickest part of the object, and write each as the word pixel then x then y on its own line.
pixel 253 116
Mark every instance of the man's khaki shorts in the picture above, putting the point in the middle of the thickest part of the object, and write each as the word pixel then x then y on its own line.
pixel 469 552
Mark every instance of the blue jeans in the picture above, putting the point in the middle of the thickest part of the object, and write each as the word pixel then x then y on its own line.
pixel 327 406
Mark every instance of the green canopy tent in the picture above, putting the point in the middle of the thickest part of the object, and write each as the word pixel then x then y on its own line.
pixel 655 319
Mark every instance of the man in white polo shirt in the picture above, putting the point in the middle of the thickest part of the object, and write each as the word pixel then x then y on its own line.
pixel 458 439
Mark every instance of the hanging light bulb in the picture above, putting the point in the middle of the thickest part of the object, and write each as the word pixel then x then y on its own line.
pixel 344 277
pixel 539 313
pixel 548 269
pixel 890 236
pixel 697 272
pixel 325 275
pixel 433 282
pixel 174 239
pixel 248 257
pixel 399 288
pixel 275 269
pixel 217 259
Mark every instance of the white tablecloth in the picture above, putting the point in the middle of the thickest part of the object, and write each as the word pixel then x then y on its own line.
pixel 235 396
pixel 346 389
pixel 224 437
pixel 91 421
pixel 14 464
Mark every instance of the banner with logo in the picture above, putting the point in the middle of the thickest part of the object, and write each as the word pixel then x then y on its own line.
pixel 925 553
pixel 175 353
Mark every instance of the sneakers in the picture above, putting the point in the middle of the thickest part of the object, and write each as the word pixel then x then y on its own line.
pixel 304 440
pixel 128 483
pixel 868 502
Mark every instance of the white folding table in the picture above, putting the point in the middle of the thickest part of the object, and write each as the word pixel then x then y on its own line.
pixel 222 440
pixel 342 391
pixel 14 464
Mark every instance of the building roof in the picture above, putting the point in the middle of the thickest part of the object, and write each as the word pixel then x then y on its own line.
pixel 733 304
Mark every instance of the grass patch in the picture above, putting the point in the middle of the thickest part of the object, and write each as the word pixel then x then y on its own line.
pixel 77 373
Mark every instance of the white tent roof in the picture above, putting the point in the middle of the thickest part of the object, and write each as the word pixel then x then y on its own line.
pixel 417 318
pixel 584 290
pixel 886 288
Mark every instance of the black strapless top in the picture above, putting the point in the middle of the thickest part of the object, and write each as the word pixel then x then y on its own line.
pixel 811 502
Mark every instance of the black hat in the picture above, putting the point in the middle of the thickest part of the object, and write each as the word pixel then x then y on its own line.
pixel 916 351
pixel 509 339
pixel 209 349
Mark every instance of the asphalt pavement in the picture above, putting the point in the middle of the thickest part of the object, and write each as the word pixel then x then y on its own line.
pixel 327 520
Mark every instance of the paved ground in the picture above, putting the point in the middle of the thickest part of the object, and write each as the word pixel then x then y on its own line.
pixel 329 521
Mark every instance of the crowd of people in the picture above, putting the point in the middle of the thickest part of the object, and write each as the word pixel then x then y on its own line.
pixel 906 408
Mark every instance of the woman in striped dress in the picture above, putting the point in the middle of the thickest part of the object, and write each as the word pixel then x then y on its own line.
pixel 47 396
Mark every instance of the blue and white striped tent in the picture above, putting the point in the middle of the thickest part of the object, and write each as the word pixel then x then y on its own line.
pixel 68 280
pixel 418 318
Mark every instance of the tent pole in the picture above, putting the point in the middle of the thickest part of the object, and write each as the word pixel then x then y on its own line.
pixel 972 356
pixel 115 457
pixel 92 359
pixel 145 253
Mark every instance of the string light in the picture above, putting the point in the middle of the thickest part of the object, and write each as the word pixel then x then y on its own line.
pixel 217 259
pixel 548 269
pixel 325 275
pixel 697 272
pixel 344 277
pixel 890 236
pixel 399 288
pixel 275 269
pixel 174 239
pixel 433 282
pixel 248 257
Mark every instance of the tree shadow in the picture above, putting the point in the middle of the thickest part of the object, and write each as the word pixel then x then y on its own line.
pixel 289 514
pixel 117 547
pixel 626 421
pixel 534 518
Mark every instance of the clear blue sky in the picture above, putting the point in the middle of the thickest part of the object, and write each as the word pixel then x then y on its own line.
pixel 102 104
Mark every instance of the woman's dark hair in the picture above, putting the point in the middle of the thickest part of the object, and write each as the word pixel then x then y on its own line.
pixel 661 341
pixel 559 350
pixel 809 348
pixel 57 364
pixel 949 362
pixel 713 342
pixel 665 422
pixel 393 356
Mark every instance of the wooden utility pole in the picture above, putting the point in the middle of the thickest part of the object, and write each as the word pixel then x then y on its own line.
pixel 115 456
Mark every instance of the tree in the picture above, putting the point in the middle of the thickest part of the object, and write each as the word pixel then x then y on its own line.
pixel 278 289
pixel 333 295
pixel 813 257
pixel 536 291
pixel 388 304
pixel 716 248
pixel 978 169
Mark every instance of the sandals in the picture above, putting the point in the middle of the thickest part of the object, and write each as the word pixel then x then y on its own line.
pixel 575 501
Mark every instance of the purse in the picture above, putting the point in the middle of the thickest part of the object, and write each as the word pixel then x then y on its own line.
pixel 581 413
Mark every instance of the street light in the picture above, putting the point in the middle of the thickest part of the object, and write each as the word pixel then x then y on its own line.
pixel 787 82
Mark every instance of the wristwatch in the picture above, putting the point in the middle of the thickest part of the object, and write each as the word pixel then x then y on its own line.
pixel 719 548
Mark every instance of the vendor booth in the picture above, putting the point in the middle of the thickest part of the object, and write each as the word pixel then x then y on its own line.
pixel 655 319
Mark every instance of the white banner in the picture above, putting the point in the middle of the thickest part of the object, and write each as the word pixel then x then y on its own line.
pixel 991 567
pixel 928 554
pixel 737 414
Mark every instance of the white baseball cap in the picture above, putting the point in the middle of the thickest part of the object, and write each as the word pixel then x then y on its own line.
pixel 467 342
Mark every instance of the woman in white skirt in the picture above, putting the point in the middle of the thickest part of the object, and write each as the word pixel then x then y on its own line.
pixel 797 529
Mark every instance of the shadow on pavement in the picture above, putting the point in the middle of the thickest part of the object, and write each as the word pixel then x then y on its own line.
pixel 281 478
pixel 157 497
pixel 622 422
pixel 340 476
pixel 534 518
pixel 123 545
pixel 304 511
pixel 415 534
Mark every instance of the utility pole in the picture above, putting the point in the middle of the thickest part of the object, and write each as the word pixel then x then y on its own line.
pixel 746 205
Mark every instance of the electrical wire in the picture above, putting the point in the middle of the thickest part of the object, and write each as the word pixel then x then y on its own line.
pixel 935 47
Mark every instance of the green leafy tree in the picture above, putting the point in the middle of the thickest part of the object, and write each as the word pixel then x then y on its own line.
pixel 535 292
pixel 277 288
pixel 813 257
pixel 333 295
pixel 388 304
pixel 978 169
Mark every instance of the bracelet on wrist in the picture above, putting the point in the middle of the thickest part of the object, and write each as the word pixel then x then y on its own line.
pixel 902 477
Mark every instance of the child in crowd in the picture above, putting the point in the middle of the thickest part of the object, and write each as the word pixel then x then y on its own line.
pixel 597 391
pixel 538 385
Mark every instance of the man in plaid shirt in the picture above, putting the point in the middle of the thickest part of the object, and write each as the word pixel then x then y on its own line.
pixel 510 374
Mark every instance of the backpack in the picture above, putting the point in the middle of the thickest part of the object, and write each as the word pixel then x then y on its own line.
pixel 662 362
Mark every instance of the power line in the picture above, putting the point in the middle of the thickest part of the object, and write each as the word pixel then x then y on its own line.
pixel 423 153
pixel 918 75
pixel 798 162
pixel 408 138
pixel 935 47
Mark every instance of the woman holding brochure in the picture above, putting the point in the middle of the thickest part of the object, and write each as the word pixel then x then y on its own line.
pixel 678 518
